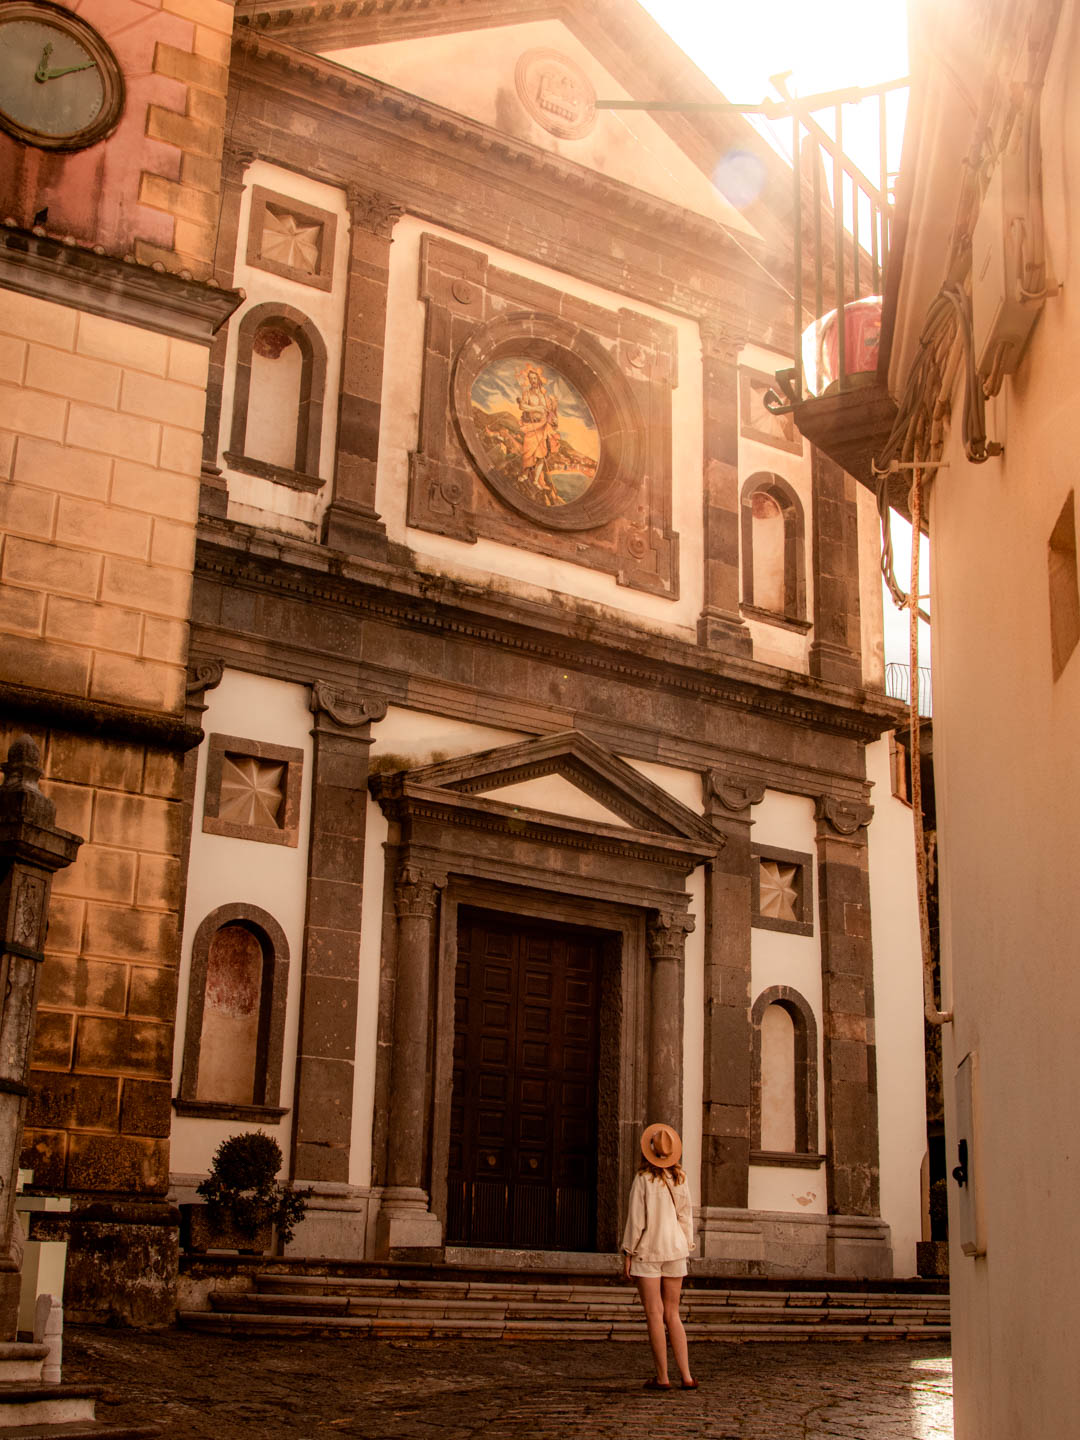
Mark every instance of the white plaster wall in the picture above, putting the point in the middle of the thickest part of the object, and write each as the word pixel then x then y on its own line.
pixel 682 785
pixel 898 1008
pixel 224 871
pixel 404 739
pixel 787 822
pixel 472 73
pixel 1007 776
pixel 773 644
pixel 253 500
pixel 562 797
pixel 507 568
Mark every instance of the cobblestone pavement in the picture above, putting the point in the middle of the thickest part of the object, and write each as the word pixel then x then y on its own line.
pixel 197 1387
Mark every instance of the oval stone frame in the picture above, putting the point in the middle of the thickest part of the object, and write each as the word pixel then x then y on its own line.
pixel 588 367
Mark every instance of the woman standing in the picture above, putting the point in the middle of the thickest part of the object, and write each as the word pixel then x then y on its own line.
pixel 659 1235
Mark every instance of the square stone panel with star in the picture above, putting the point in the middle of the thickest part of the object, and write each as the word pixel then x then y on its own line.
pixel 290 238
pixel 757 422
pixel 252 790
pixel 783 893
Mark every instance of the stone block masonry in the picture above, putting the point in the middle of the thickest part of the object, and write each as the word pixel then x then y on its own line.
pixel 102 431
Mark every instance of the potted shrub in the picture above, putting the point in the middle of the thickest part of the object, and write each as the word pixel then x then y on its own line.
pixel 244 1201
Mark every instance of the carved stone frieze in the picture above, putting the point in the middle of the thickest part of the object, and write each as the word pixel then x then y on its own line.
pixel 845 817
pixel 346 708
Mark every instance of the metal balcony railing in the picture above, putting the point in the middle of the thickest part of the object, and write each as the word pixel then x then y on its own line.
pixel 898 686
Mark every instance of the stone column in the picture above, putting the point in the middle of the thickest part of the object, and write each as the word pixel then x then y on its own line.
pixel 322 1113
pixel 32 849
pixel 667 932
pixel 405 1220
pixel 351 522
pixel 836 649
pixel 213 492
pixel 725 1168
pixel 721 626
pixel 847 965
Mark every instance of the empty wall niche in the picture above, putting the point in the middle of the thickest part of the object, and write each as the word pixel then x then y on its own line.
pixel 773 549
pixel 784 1085
pixel 1064 591
pixel 235 1016
pixel 278 400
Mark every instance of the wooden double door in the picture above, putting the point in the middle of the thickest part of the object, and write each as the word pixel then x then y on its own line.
pixel 523 1116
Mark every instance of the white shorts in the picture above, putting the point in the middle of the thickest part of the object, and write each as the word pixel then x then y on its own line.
pixel 650 1269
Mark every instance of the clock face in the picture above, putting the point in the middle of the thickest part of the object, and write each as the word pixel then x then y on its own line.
pixel 60 85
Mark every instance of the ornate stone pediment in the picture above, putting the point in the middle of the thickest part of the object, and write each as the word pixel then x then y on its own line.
pixel 628 812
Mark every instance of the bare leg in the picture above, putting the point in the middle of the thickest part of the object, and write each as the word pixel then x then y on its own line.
pixel 671 1291
pixel 649 1289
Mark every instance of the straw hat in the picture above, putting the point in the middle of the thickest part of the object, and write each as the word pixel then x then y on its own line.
pixel 661 1146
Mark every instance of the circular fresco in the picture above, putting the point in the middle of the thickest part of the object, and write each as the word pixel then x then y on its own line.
pixel 535 430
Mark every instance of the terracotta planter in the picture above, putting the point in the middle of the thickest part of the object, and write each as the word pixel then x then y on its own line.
pixel 198 1233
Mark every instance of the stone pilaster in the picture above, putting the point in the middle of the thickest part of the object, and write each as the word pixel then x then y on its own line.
pixel 836 650
pixel 667 932
pixel 405 1219
pixel 32 850
pixel 721 626
pixel 850 1066
pixel 351 522
pixel 213 492
pixel 725 1160
pixel 328 997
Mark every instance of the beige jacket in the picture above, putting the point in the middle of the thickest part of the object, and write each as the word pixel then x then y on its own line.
pixel 655 1228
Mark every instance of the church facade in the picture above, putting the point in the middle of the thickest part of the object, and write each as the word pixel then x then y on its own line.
pixel 531 778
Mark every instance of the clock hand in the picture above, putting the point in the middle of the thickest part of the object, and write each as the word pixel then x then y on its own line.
pixel 68 70
pixel 41 73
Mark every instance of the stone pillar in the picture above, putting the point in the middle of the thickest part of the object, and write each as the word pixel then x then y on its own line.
pixel 32 849
pixel 405 1219
pixel 322 1115
pixel 847 964
pixel 721 626
pixel 351 522
pixel 213 491
pixel 836 649
pixel 725 1159
pixel 667 932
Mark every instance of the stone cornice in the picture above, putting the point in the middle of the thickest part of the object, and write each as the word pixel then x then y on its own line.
pixel 411 599
pixel 96 717
pixel 67 274
pixel 372 98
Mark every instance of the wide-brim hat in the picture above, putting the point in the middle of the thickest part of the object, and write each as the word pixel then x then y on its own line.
pixel 660 1144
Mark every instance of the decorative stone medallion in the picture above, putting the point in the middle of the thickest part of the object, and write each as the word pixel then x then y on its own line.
pixel 535 429
pixel 557 93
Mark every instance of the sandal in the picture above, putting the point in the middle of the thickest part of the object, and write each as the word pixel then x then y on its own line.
pixel 689 1385
pixel 654 1384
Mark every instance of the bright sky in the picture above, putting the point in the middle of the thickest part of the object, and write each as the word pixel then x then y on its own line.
pixel 827 45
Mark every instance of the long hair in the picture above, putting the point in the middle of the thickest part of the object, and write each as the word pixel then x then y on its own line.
pixel 657 1172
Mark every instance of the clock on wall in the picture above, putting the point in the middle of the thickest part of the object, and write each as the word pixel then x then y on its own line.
pixel 60 85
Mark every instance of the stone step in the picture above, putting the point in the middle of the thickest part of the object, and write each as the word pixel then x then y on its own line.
pixel 80 1430
pixel 38 1404
pixel 20 1362
pixel 349 1286
pixel 493 1328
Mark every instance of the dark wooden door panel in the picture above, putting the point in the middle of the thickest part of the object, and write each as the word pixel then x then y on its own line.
pixel 522 1158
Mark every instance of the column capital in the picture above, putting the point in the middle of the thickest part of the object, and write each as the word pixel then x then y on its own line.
pixel 203 675
pixel 722 339
pixel 735 792
pixel 841 816
pixel 235 158
pixel 348 709
pixel 372 210
pixel 667 931
pixel 416 890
